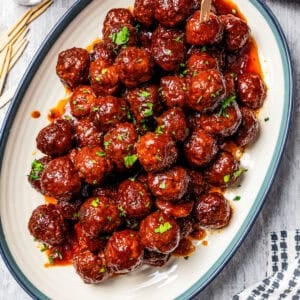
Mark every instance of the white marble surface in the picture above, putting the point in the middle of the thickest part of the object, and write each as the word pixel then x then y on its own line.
pixel 281 210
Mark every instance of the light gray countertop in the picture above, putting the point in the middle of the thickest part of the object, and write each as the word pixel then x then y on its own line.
pixel 282 206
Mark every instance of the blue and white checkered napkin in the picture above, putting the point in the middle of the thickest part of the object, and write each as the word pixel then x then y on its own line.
pixel 283 270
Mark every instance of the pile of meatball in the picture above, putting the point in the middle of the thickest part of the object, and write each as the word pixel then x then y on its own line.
pixel 141 159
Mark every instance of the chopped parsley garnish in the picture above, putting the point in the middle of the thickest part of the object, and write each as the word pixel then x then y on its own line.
pixel 122 211
pixel 199 99
pixel 129 160
pixel 227 178
pixel 266 119
pixel 234 11
pixel 121 37
pixel 225 104
pixel 36 170
pixel 239 172
pixel 67 117
pixel 203 49
pixel 144 94
pixel 95 109
pixel 75 215
pixel 103 71
pixel 100 153
pixel 95 202
pixel 102 270
pixel 237 198
pixel 168 52
pixel 120 137
pixel 106 144
pixel 86 91
pixel 159 129
pixel 149 111
pixel 51 259
pixel 179 39
pixel 109 218
pixel 97 78
pixel 163 228
pixel 162 185
pixel 44 247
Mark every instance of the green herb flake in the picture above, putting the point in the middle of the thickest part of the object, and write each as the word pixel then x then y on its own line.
pixel 86 91
pixel 266 119
pixel 234 11
pixel 129 160
pixel 121 37
pixel 51 259
pixel 163 185
pixel 179 39
pixel 159 129
pixel 97 78
pixel 239 172
pixel 103 71
pixel 44 247
pixel 100 153
pixel 225 104
pixel 122 211
pixel 182 65
pixel 94 109
pixel 144 94
pixel 149 111
pixel 137 27
pixel 163 228
pixel 203 49
pixel 160 218
pixel 227 178
pixel 106 144
pixel 102 270
pixel 109 218
pixel 199 99
pixel 36 170
pixel 75 215
pixel 158 157
pixel 237 198
pixel 67 117
pixel 95 203
pixel 195 73
pixel 168 52
pixel 120 137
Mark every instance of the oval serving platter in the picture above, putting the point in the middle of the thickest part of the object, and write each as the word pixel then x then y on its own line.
pixel 40 90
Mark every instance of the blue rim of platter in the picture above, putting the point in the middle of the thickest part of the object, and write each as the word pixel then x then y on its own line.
pixel 259 201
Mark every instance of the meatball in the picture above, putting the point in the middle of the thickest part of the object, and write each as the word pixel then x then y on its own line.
pixel 86 134
pixel 225 122
pixel 108 112
pixel 143 101
pixel 173 91
pixel 47 225
pixel 124 251
pixel 159 233
pixel 186 226
pixel 171 12
pixel 119 143
pixel 69 210
pixel 236 32
pixel 177 210
pixel 119 36
pixel 197 184
pixel 169 185
pixel 98 215
pixel 117 16
pixel 201 61
pixel 104 78
pixel 207 89
pixel 135 66
pixel 143 11
pixel 173 122
pixel 92 164
pixel 212 210
pixel 224 171
pixel 251 90
pixel 100 51
pixel 37 167
pixel 81 101
pixel 56 138
pixel 168 48
pixel 89 266
pixel 145 38
pixel 60 180
pixel 156 152
pixel 202 33
pixel 134 200
pixel 108 191
pixel 155 259
pixel 73 67
pixel 249 129
pixel 200 148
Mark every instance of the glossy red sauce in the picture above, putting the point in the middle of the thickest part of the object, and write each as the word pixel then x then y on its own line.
pixel 198 234
pixel 35 114
pixel 185 248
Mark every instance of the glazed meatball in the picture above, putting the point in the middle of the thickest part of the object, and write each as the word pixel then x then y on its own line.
pixel 117 16
pixel 60 179
pixel 202 33
pixel 186 226
pixel 212 210
pixel 134 199
pixel 236 32
pixel 198 183
pixel 56 138
pixel 173 122
pixel 86 134
pixel 90 267
pixel 81 101
pixel 201 61
pixel 156 152
pixel 172 12
pixel 200 148
pixel 173 91
pixel 168 48
pixel 119 143
pixel 92 164
pixel 251 90
pixel 155 259
pixel 143 11
pixel 224 171
pixel 37 167
pixel 124 251
pixel 100 51
pixel 143 101
pixel 159 233
pixel 169 185
pixel 249 129
pixel 109 191
pixel 73 67
pixel 135 66
pixel 119 36
pixel 108 112
pixel 47 225
pixel 225 122
pixel 104 78
pixel 207 89
pixel 177 210
pixel 98 215
pixel 69 210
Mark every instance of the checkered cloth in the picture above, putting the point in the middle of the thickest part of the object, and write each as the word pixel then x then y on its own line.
pixel 283 270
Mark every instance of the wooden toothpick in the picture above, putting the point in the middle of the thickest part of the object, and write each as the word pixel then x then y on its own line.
pixel 205 10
